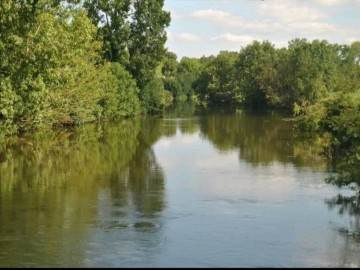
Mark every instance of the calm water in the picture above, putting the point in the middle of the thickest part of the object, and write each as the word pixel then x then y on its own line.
pixel 189 189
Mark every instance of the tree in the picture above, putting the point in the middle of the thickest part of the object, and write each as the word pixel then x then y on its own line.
pixel 216 81
pixel 311 71
pixel 349 67
pixel 256 73
pixel 111 18
pixel 170 65
pixel 147 39
pixel 52 71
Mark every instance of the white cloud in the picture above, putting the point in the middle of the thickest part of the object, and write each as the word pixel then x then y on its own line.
pixel 175 15
pixel 329 2
pixel 352 39
pixel 243 39
pixel 211 14
pixel 214 26
pixel 280 43
pixel 220 17
pixel 289 11
pixel 314 27
pixel 187 37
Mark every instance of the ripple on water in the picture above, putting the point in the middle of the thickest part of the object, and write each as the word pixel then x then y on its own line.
pixel 145 225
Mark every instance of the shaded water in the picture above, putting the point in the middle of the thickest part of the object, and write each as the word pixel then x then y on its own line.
pixel 189 189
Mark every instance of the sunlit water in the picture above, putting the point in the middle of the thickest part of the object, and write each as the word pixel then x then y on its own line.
pixel 189 189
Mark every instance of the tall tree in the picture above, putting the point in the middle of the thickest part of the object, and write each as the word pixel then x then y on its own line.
pixel 256 72
pixel 111 18
pixel 147 39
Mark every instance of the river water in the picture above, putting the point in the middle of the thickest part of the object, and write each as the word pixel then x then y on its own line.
pixel 192 188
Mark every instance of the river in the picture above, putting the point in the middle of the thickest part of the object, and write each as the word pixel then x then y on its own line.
pixel 191 188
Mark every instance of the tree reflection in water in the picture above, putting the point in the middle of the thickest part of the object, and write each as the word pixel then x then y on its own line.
pixel 348 207
pixel 52 187
pixel 95 194
pixel 260 137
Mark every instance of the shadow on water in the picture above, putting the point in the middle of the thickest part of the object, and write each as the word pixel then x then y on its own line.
pixel 347 206
pixel 95 195
pixel 57 187
pixel 260 137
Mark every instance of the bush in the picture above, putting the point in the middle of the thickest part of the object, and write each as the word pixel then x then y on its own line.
pixel 337 117
pixel 119 92
pixel 153 96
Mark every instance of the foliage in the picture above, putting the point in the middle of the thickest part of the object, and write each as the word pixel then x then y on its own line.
pixel 121 96
pixel 147 39
pixel 111 17
pixel 71 62
pixel 339 117
pixel 256 73
pixel 313 71
pixel 216 81
pixel 51 70
pixel 133 35
pixel 55 60
pixel 153 96
pixel 179 77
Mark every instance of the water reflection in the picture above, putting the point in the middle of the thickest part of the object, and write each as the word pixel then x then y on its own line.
pixel 348 207
pixel 51 187
pixel 192 188
pixel 260 137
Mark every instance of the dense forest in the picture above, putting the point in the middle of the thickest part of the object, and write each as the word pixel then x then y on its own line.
pixel 71 62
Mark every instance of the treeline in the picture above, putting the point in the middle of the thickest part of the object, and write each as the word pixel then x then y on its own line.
pixel 72 61
pixel 76 61
pixel 262 76
pixel 317 80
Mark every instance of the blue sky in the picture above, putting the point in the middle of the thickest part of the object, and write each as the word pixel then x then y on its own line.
pixel 205 27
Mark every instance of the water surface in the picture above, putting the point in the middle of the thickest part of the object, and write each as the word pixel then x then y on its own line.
pixel 193 188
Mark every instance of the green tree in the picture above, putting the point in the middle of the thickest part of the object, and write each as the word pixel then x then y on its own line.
pixel 111 18
pixel 170 65
pixel 121 96
pixel 349 67
pixel 336 119
pixel 147 39
pixel 179 76
pixel 311 71
pixel 216 81
pixel 256 73
pixel 49 65
pixel 188 72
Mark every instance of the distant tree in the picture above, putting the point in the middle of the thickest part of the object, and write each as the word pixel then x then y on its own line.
pixel 170 65
pixel 311 71
pixel 256 73
pixel 216 82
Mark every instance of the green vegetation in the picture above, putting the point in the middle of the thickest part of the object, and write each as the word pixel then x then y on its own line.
pixel 261 76
pixel 67 62
pixel 71 62
pixel 64 171
pixel 319 82
pixel 336 121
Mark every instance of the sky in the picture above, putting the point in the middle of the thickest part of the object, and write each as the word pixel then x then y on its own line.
pixel 206 27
